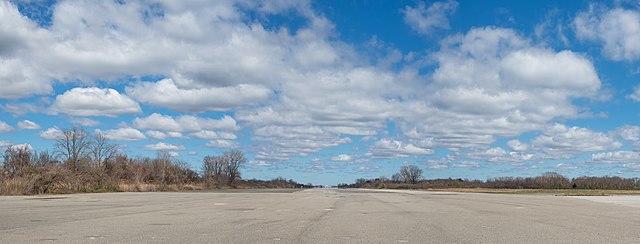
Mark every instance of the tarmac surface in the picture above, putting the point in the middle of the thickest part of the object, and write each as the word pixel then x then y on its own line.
pixel 317 216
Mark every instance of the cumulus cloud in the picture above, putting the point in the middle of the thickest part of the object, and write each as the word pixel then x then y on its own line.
pixel 342 157
pixel 635 96
pixel 633 166
pixel 561 141
pixel 299 90
pixel 222 144
pixel 498 154
pixel 565 166
pixel 163 135
pixel 84 121
pixel 492 82
pixel 19 75
pixel 165 93
pixel 441 163
pixel 122 134
pixel 52 133
pixel 20 108
pixel 517 145
pixel 4 127
pixel 615 157
pixel 466 165
pixel 156 134
pixel 161 122
pixel 284 142
pixel 207 134
pixel 424 20
pixel 389 148
pixel 260 163
pixel 208 45
pixel 161 146
pixel 629 132
pixel 28 125
pixel 617 30
pixel 93 101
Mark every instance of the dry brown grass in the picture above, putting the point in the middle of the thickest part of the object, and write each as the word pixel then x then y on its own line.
pixel 31 185
pixel 16 187
pixel 555 192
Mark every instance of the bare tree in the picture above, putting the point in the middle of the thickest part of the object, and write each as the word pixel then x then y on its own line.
pixel 73 146
pixel 411 173
pixel 16 160
pixel 44 158
pixel 214 170
pixel 101 150
pixel 234 160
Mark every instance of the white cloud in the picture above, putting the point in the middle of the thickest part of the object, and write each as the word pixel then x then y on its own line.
pixel 173 134
pixel 207 134
pixel 389 148
pixel 260 163
pixel 52 133
pixel 492 82
pixel 21 108
pixel 634 166
pixel 85 122
pixel 156 134
pixel 276 76
pixel 122 134
pixel 466 165
pixel 161 146
pixel 342 157
pixel 498 154
pixel 300 90
pixel 283 142
pixel 157 121
pixel 20 76
pixel 565 166
pixel 617 30
pixel 440 163
pixel 4 127
pixel 165 93
pixel 5 144
pixel 174 154
pixel 560 141
pixel 28 125
pixel 222 144
pixel 94 101
pixel 635 96
pixel 517 145
pixel 615 157
pixel 161 122
pixel 424 20
pixel 629 132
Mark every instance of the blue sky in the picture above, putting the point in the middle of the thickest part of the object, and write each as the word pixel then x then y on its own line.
pixel 331 91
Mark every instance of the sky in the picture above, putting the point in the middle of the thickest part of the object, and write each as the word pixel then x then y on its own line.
pixel 326 92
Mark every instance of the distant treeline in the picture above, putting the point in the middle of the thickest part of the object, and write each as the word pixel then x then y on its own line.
pixel 84 162
pixel 549 180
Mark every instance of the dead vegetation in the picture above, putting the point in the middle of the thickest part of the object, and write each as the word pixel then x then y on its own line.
pixel 548 183
pixel 83 162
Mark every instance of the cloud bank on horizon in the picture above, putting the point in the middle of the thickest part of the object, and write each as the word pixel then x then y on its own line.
pixel 330 91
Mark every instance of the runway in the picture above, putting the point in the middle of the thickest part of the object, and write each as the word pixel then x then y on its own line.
pixel 316 216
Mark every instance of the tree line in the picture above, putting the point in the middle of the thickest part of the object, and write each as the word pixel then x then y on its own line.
pixel 89 162
pixel 410 177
